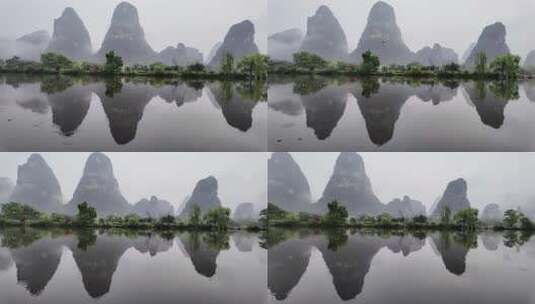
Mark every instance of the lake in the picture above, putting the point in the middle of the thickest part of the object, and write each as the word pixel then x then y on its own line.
pixel 61 113
pixel 59 266
pixel 323 114
pixel 356 267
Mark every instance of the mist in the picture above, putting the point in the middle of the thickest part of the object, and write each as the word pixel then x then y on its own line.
pixel 501 178
pixel 454 24
pixel 199 24
pixel 242 177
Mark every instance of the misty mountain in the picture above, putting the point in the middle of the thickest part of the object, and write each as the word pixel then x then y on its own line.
pixel 99 188
pixel 491 213
pixel 245 212
pixel 529 63
pixel 288 187
pixel 154 208
pixel 282 45
pixel 468 52
pixel 436 56
pixel 37 186
pixel 32 45
pixel 454 197
pixel 405 208
pixel 492 42
pixel 239 42
pixel 180 55
pixel 350 186
pixel 213 51
pixel 126 37
pixel 382 36
pixel 325 36
pixel 6 188
pixel 70 37
pixel 204 195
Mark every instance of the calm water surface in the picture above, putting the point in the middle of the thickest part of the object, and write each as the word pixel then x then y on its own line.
pixel 345 267
pixel 53 113
pixel 103 267
pixel 385 115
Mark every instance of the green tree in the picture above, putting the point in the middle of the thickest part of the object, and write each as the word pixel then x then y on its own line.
pixel 255 66
pixel 308 61
pixel 86 215
pixel 337 214
pixel 370 63
pixel 506 66
pixel 196 68
pixel 114 63
pixel 168 220
pixel 467 218
pixel 511 218
pixel 219 218
pixel 481 63
pixel 420 219
pixel 157 68
pixel 227 66
pixel 56 62
pixel 195 216
pixel 19 212
pixel 445 216
pixel 526 223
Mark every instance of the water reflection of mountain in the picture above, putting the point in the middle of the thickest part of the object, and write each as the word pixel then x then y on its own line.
pixel 349 257
pixel 36 254
pixel 124 101
pixel 380 101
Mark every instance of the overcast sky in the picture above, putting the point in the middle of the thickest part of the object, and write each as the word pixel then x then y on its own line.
pixel 491 177
pixel 198 23
pixel 242 177
pixel 452 23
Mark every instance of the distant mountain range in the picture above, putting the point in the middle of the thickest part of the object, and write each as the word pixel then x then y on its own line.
pixel 383 37
pixel 38 187
pixel 126 37
pixel 349 184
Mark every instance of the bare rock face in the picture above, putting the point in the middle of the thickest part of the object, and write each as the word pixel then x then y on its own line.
pixel 405 208
pixel 32 45
pixel 529 63
pixel 351 187
pixel 454 197
pixel 70 37
pixel 204 195
pixel 245 212
pixel 491 42
pixel 382 36
pixel 213 51
pixel 99 188
pixel 436 56
pixel 325 36
pixel 239 42
pixel 491 213
pixel 6 188
pixel 282 45
pixel 288 187
pixel 180 55
pixel 37 186
pixel 468 51
pixel 126 36
pixel 153 208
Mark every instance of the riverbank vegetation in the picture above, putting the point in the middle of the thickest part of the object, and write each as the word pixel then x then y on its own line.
pixel 218 219
pixel 337 216
pixel 252 67
pixel 504 67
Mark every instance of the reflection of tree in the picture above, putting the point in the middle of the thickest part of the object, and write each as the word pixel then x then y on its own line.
pixel 507 90
pixel 203 249
pixel 307 86
pixel 514 238
pixel 336 238
pixel 114 85
pixel 56 84
pixel 86 238
pixel 453 247
pixel 14 238
pixel 370 86
pixel 491 99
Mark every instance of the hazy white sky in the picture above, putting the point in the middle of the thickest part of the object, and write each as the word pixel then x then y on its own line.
pixel 242 177
pixel 452 23
pixel 424 176
pixel 197 23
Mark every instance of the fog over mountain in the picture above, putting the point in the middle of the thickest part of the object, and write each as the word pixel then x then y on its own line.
pixel 423 23
pixel 491 178
pixel 199 24
pixel 169 176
